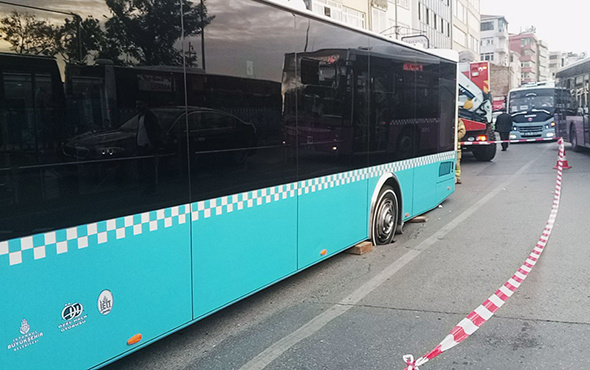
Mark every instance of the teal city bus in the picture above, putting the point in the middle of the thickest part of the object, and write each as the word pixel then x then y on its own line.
pixel 177 166
pixel 533 108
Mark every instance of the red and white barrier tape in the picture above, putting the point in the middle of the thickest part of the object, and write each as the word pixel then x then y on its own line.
pixel 507 141
pixel 486 310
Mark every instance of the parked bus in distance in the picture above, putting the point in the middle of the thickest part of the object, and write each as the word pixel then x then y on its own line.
pixel 572 122
pixel 170 174
pixel 533 108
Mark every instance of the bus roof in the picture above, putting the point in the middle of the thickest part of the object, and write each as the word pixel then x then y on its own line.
pixel 550 85
pixel 574 69
pixel 448 54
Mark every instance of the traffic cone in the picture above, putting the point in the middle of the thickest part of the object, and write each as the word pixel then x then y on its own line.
pixel 565 165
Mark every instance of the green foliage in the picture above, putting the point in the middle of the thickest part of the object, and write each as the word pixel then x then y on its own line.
pixel 28 35
pixel 139 32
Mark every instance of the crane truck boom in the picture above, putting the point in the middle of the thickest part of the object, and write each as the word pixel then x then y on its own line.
pixel 474 81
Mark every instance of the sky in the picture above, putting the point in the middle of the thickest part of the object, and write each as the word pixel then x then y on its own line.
pixel 563 24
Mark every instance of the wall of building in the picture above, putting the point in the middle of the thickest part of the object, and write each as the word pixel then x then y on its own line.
pixel 466 28
pixel 494 40
pixel 526 44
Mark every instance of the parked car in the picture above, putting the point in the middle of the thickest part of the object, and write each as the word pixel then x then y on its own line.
pixel 212 133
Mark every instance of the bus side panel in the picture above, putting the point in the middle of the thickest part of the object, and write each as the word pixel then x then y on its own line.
pixel 332 215
pixel 434 181
pixel 425 178
pixel 445 185
pixel 59 313
pixel 242 246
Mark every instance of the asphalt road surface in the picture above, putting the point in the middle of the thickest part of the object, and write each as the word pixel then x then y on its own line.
pixel 366 312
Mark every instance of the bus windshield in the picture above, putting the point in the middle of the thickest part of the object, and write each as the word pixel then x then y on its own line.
pixel 526 100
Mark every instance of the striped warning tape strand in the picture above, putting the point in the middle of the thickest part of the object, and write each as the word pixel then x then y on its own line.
pixel 506 141
pixel 487 309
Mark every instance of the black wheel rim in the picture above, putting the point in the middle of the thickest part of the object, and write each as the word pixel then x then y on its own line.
pixel 385 220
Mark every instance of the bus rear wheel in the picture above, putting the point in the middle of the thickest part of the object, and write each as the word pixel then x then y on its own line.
pixel 385 217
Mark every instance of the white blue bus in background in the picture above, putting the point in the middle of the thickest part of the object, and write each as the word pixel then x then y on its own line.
pixel 533 108
pixel 283 140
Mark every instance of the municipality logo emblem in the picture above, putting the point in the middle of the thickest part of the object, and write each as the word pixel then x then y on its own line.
pixel 105 302
pixel 24 327
pixel 71 311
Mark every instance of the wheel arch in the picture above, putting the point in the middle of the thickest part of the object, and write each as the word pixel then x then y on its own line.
pixel 387 179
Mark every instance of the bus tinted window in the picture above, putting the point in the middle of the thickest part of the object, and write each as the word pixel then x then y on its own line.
pixel 528 99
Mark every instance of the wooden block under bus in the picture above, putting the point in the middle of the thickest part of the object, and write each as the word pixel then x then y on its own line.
pixel 361 248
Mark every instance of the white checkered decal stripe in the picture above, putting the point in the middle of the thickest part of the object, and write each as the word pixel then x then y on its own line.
pixel 97 233
pixel 80 237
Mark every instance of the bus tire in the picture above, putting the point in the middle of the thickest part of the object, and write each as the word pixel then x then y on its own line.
pixel 574 139
pixel 385 217
pixel 486 153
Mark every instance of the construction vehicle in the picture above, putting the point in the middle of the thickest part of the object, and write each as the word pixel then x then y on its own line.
pixel 475 108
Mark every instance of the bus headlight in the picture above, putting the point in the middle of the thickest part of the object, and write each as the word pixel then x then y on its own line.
pixel 549 125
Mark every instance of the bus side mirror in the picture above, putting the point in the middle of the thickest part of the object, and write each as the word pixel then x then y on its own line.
pixel 580 111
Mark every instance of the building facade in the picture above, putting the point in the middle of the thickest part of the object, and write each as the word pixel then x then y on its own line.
pixel 495 45
pixel 391 18
pixel 466 29
pixel 543 62
pixel 354 13
pixel 515 70
pixel 527 45
pixel 432 18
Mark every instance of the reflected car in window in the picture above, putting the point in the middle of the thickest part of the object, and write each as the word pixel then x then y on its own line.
pixel 212 132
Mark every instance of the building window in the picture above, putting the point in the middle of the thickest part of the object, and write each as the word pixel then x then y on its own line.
pixel 419 11
pixel 501 25
pixel 524 42
pixel 487 26
pixel 354 18
pixel 379 20
pixel 328 8
pixel 474 44
pixel 460 11
pixel 473 21
pixel 403 3
pixel 487 56
pixel 460 36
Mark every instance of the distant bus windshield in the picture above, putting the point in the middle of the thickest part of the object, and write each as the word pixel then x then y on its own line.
pixel 526 100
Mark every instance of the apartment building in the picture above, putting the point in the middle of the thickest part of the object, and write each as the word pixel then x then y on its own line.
pixel 495 45
pixel 466 29
pixel 527 45
pixel 433 19
pixel 543 62
pixel 354 13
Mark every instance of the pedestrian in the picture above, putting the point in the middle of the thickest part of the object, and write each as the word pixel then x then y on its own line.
pixel 460 133
pixel 503 127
